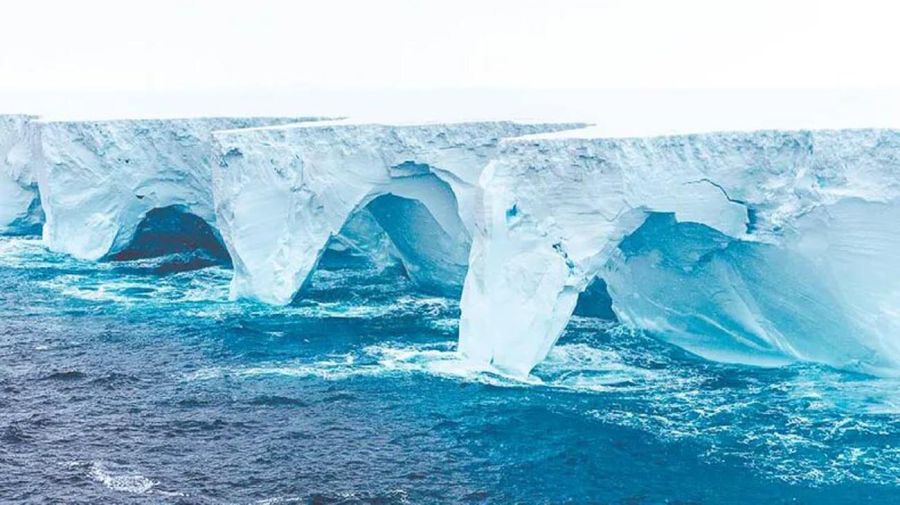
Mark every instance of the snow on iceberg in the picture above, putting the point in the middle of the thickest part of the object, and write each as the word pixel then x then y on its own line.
pixel 282 194
pixel 99 180
pixel 762 248
pixel 20 209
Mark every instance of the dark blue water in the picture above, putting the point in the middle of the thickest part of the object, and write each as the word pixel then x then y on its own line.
pixel 120 383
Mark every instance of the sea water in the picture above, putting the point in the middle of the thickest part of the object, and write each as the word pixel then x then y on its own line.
pixel 140 382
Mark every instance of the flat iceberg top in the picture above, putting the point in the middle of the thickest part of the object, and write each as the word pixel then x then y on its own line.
pixel 599 133
pixel 399 123
pixel 462 149
pixel 617 113
pixel 355 127
pixel 210 123
pixel 17 117
pixel 781 174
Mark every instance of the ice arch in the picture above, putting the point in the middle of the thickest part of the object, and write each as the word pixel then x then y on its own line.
pixel 418 211
pixel 99 179
pixel 766 210
pixel 283 192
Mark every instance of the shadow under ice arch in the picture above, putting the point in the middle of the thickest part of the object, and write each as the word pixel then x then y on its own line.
pixel 431 242
pixel 282 194
pixel 174 231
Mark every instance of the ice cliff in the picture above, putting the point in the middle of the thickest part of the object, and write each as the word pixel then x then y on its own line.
pixel 20 210
pixel 283 193
pixel 761 248
pixel 99 180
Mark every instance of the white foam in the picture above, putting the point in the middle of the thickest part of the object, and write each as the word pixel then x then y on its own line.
pixel 574 367
pixel 124 482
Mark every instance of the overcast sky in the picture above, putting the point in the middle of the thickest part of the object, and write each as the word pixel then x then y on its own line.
pixel 518 57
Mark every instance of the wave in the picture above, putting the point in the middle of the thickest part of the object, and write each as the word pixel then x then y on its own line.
pixel 124 482
pixel 806 425
pixel 800 424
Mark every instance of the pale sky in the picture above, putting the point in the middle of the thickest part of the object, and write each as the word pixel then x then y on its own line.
pixel 521 58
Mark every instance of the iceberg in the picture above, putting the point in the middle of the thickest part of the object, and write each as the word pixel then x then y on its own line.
pixel 100 180
pixel 20 209
pixel 762 248
pixel 283 193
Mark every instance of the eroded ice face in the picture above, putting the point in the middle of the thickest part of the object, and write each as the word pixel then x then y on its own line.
pixel 20 209
pixel 761 248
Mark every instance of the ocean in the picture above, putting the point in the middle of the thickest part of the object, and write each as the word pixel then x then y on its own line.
pixel 140 382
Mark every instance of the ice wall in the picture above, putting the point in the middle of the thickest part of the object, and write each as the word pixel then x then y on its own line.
pixel 763 247
pixel 282 193
pixel 99 179
pixel 20 210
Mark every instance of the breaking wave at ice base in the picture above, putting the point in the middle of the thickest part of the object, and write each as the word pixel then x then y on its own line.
pixel 355 394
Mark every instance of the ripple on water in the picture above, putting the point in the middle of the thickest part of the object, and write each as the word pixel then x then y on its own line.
pixel 801 425
pixel 760 424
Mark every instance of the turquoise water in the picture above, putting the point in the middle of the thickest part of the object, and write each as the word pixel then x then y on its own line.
pixel 133 382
